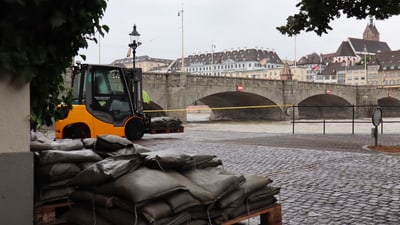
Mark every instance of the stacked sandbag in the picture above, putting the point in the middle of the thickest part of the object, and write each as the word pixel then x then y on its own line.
pixel 55 168
pixel 165 123
pixel 132 184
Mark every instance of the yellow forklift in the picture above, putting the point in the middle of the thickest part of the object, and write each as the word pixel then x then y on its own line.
pixel 107 99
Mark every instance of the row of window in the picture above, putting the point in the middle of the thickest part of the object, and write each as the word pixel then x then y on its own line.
pixel 230 66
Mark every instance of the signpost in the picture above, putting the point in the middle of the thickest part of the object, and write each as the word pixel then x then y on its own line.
pixel 376 120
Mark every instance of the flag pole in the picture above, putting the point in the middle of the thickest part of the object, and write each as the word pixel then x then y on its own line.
pixel 183 52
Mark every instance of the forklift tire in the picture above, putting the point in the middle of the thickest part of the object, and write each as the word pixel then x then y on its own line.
pixel 73 132
pixel 134 130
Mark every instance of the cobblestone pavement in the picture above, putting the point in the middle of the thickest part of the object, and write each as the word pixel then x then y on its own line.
pixel 324 179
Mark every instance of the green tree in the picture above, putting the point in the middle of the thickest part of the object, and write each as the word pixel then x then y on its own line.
pixel 315 15
pixel 38 40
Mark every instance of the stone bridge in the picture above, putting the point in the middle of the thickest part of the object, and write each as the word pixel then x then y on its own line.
pixel 258 99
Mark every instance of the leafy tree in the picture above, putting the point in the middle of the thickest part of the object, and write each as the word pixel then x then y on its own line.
pixel 38 40
pixel 315 15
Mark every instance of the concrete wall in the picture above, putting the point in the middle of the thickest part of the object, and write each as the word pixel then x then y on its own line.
pixel 16 160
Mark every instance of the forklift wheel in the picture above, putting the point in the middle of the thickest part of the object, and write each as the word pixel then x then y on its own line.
pixel 134 130
pixel 73 132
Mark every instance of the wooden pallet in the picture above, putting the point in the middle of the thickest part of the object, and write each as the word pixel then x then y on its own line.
pixel 268 216
pixel 48 214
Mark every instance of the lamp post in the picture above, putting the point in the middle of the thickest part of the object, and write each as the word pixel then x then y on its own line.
pixel 134 36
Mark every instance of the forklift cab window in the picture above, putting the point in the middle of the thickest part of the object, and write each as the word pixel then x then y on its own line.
pixel 77 87
pixel 109 94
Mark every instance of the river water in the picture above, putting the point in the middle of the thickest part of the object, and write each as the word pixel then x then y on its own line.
pixel 200 121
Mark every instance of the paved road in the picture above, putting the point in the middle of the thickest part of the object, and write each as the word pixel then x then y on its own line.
pixel 324 179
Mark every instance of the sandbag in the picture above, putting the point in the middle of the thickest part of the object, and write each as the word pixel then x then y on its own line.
pixel 40 146
pixel 232 199
pixel 255 182
pixel 106 170
pixel 215 180
pixel 89 142
pixel 180 201
pixel 53 185
pixel 89 197
pixel 246 209
pixel 165 122
pixel 178 219
pixel 141 185
pixel 57 171
pixel 120 217
pixel 53 195
pixel 141 148
pixel 195 190
pixel 110 142
pixel 81 215
pixel 237 197
pixel 198 161
pixel 115 153
pixel 263 193
pixel 156 210
pixel 165 159
pixel 67 144
pixel 59 156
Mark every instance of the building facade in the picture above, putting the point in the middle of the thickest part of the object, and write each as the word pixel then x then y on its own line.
pixel 384 69
pixel 249 63
pixel 147 63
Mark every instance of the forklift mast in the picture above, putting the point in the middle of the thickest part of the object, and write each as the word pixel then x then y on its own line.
pixel 135 85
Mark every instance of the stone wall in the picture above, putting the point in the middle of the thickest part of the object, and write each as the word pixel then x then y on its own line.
pixel 16 160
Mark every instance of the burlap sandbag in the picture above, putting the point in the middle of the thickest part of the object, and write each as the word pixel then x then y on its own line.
pixel 67 144
pixel 57 171
pixel 110 142
pixel 236 197
pixel 166 159
pixel 82 215
pixel 60 156
pixel 120 217
pixel 53 195
pixel 177 219
pixel 107 170
pixel 129 150
pixel 156 210
pixel 246 209
pixel 89 142
pixel 89 197
pixel 215 180
pixel 181 200
pixel 142 185
pixel 263 193
pixel 201 194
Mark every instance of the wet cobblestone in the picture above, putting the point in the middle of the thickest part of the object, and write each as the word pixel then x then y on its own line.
pixel 324 179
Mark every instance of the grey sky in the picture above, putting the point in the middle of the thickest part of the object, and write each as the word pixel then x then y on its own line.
pixel 229 24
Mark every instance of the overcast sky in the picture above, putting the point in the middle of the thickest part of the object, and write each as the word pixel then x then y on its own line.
pixel 229 24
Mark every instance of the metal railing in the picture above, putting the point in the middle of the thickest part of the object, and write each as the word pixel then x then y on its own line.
pixel 367 110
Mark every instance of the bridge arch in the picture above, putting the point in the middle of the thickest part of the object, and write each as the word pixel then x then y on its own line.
pixel 390 106
pixel 234 105
pixel 324 106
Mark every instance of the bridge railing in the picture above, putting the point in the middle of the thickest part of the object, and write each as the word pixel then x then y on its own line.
pixel 358 112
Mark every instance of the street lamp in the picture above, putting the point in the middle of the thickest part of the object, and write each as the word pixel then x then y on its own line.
pixel 134 35
pixel 137 86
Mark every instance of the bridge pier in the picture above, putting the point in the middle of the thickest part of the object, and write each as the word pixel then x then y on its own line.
pixel 176 96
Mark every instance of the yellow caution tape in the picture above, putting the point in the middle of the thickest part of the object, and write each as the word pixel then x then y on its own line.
pixel 220 108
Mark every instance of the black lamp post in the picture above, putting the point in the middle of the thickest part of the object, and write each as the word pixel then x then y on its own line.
pixel 134 35
pixel 137 86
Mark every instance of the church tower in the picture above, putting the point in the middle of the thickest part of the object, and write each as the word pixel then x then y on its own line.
pixel 370 32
